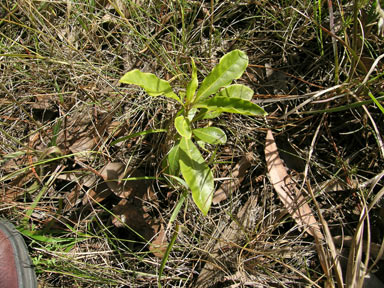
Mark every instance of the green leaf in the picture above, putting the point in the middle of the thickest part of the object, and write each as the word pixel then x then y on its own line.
pixel 153 85
pixel 205 114
pixel 211 135
pixel 192 85
pixel 173 160
pixel 181 96
pixel 231 105
pixel 197 174
pixel 183 127
pixel 211 114
pixel 191 114
pixel 237 91
pixel 201 144
pixel 230 67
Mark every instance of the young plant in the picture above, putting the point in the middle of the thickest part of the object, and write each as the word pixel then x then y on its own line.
pixel 214 96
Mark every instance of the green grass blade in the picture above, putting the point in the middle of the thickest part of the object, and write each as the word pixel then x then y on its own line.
pixel 166 254
pixel 376 102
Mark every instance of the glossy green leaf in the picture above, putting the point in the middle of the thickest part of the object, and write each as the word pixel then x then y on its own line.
pixel 183 127
pixel 153 85
pixel 237 91
pixel 201 144
pixel 211 135
pixel 173 160
pixel 230 67
pixel 191 114
pixel 211 114
pixel 182 96
pixel 205 114
pixel 232 105
pixel 192 85
pixel 197 174
pixel 198 116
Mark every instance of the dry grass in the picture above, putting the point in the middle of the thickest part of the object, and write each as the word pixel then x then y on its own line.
pixel 60 63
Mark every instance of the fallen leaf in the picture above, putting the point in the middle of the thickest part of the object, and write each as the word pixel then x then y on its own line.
pixel 134 216
pixel 159 243
pixel 131 211
pixel 289 194
pixel 42 103
pixel 113 174
pixel 16 188
pixel 71 198
pixel 97 195
pixel 87 180
pixel 295 202
pixel 82 144
pixel 116 129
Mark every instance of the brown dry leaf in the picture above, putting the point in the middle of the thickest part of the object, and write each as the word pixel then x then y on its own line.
pixel 10 166
pixel 83 131
pixel 82 144
pixel 298 208
pixel 289 194
pixel 44 108
pixel 99 194
pixel 132 212
pixel 116 129
pixel 114 172
pixel 135 217
pixel 71 198
pixel 42 103
pixel 88 180
pixel 231 185
pixel 16 191
pixel 159 244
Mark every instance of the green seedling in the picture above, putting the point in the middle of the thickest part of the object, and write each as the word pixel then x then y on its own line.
pixel 214 96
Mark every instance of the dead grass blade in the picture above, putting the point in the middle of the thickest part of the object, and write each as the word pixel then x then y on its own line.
pixel 332 260
pixel 295 202
pixel 380 253
pixel 355 268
